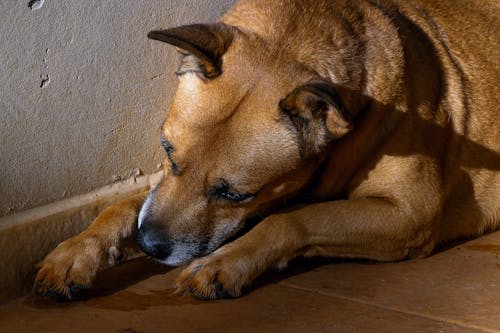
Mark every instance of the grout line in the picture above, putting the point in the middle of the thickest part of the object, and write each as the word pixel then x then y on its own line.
pixel 417 314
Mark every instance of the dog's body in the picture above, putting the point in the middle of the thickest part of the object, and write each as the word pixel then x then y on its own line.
pixel 377 119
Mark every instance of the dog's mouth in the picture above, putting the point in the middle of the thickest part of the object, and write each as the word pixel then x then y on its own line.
pixel 178 257
pixel 181 252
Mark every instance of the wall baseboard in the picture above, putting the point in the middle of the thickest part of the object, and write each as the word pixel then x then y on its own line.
pixel 28 236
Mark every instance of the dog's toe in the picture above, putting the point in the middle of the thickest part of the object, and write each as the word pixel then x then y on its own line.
pixel 56 287
pixel 206 292
pixel 56 291
pixel 49 283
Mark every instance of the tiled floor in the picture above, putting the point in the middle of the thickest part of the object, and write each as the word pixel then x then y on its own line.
pixel 456 290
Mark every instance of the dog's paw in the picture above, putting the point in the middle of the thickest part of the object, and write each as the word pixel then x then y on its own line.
pixel 70 267
pixel 221 274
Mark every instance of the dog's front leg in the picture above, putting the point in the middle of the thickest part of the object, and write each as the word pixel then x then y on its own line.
pixel 74 263
pixel 361 228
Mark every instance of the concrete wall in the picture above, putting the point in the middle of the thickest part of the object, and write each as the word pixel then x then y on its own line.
pixel 83 92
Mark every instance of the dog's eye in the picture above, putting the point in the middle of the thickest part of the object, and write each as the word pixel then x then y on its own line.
pixel 233 196
pixel 223 191
pixel 169 148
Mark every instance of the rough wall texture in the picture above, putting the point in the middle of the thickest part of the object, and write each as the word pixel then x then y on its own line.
pixel 83 92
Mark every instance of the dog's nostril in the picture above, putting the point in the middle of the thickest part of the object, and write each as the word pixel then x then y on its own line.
pixel 152 242
pixel 157 250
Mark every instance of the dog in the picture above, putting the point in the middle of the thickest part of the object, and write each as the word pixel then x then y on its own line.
pixel 344 128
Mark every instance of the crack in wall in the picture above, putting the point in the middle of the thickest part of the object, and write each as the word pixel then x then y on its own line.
pixel 45 80
pixel 35 4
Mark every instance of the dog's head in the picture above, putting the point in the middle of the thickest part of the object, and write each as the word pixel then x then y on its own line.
pixel 243 133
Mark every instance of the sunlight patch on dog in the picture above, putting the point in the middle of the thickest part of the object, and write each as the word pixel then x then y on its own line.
pixel 145 208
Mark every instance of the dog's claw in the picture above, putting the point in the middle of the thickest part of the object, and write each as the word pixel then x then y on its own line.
pixel 76 288
pixel 59 297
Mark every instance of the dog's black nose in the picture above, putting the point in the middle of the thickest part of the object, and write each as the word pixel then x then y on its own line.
pixel 152 242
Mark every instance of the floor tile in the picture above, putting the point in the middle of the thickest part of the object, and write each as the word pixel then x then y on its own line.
pixel 459 285
pixel 456 290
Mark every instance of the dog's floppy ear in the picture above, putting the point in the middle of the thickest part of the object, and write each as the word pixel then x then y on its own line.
pixel 318 115
pixel 206 42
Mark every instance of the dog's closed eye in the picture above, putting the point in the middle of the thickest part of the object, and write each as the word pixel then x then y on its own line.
pixel 169 148
pixel 223 191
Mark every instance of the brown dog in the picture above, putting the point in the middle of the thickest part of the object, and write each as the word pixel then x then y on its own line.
pixel 373 122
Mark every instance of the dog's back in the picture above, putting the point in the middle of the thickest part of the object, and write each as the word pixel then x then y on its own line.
pixel 438 61
pixel 466 36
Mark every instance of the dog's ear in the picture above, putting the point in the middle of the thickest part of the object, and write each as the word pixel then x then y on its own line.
pixel 317 114
pixel 202 44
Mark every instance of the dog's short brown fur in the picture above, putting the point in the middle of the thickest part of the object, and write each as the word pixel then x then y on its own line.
pixel 365 129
